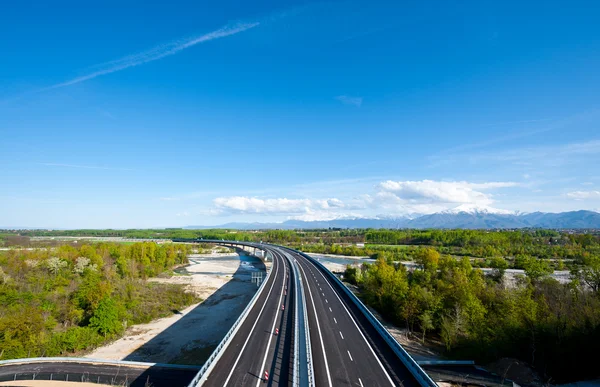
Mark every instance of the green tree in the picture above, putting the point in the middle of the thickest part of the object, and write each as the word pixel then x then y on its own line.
pixel 426 323
pixel 589 273
pixel 106 317
pixel 535 269
pixel 499 265
pixel 428 258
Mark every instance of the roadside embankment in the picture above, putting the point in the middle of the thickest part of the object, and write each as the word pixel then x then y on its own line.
pixel 225 283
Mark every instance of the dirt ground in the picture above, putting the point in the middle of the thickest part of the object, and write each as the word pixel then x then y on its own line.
pixel 188 337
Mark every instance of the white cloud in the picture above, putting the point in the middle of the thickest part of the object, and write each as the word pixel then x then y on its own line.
pixel 429 191
pixel 346 100
pixel 84 166
pixel 392 198
pixel 157 52
pixel 582 195
pixel 277 206
pixel 311 215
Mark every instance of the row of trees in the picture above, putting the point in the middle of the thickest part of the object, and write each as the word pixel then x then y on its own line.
pixel 554 327
pixel 483 243
pixel 473 243
pixel 63 300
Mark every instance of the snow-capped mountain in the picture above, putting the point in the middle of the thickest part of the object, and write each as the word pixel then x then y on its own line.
pixel 476 209
pixel 465 216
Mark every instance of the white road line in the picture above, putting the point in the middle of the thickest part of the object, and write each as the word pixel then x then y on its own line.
pixel 318 328
pixel 360 381
pixel 330 309
pixel 357 328
pixel 335 320
pixel 326 301
pixel 341 335
pixel 262 367
pixel 351 359
pixel 323 294
pixel 252 330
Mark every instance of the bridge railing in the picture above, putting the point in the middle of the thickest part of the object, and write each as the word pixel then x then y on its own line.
pixel 86 360
pixel 218 352
pixel 418 373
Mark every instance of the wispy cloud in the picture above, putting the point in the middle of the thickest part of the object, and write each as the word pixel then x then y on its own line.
pixel 518 122
pixel 582 195
pixel 346 100
pixel 444 156
pixel 107 114
pixel 156 53
pixel 84 166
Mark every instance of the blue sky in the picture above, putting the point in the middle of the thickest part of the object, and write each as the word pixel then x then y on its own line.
pixel 128 114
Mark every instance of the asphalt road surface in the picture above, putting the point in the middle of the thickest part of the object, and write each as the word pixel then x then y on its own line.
pixel 347 351
pixel 256 348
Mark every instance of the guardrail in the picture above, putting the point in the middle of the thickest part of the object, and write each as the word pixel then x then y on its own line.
pixel 303 365
pixel 296 372
pixel 418 373
pixel 218 352
pixel 85 360
pixel 311 372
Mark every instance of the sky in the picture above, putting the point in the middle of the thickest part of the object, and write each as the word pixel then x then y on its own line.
pixel 130 114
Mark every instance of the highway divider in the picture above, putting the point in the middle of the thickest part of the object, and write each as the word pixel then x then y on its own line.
pixel 311 372
pixel 303 365
pixel 418 373
pixel 218 352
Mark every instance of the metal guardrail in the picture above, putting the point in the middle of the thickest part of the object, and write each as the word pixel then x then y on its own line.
pixel 218 352
pixel 418 373
pixel 303 366
pixel 296 372
pixel 311 372
pixel 85 360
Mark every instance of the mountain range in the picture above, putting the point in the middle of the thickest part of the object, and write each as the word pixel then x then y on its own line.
pixel 466 216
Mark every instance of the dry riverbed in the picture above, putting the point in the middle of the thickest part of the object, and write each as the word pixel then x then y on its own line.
pixel 189 336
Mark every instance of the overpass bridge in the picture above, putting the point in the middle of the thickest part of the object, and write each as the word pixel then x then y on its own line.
pixel 345 344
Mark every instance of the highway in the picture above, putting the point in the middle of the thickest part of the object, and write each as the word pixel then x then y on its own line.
pixel 347 351
pixel 256 348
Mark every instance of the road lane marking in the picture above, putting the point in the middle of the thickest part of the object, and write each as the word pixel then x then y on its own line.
pixel 335 320
pixel 326 301
pixel 357 328
pixel 318 328
pixel 360 381
pixel 341 335
pixel 330 309
pixel 252 330
pixel 262 367
pixel 351 359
